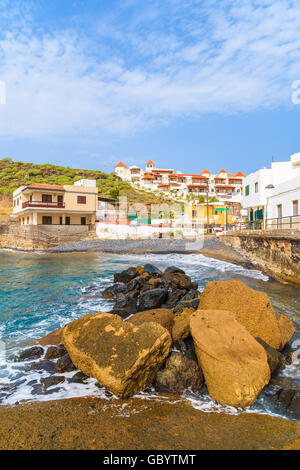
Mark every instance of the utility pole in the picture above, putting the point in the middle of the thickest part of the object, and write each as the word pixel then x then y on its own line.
pixel 207 208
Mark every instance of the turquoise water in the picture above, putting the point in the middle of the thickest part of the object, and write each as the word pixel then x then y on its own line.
pixel 40 292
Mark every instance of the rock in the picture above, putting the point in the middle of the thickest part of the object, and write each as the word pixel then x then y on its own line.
pixel 187 348
pixel 152 299
pixel 53 338
pixel 40 390
pixel 54 352
pixel 181 327
pixel 252 309
pixel 126 276
pixel 151 269
pixel 113 292
pixel 125 307
pixel 195 285
pixel 183 304
pixel 78 378
pixel 64 364
pixel 163 316
pixel 284 383
pixel 234 365
pixel 123 357
pixel 192 294
pixel 30 354
pixel 51 381
pixel 286 329
pixel 289 400
pixel 174 297
pixel 181 281
pixel 136 284
pixel 43 365
pixel 178 375
pixel 275 359
pixel 173 269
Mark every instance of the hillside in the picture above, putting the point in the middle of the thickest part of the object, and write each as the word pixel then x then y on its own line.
pixel 15 174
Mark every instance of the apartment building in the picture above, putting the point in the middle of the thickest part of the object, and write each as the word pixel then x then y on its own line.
pixel 272 195
pixel 42 204
pixel 184 187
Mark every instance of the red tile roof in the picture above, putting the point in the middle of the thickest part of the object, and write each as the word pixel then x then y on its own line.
pixel 240 174
pixel 121 164
pixel 150 162
pixel 45 186
pixel 206 172
pixel 222 171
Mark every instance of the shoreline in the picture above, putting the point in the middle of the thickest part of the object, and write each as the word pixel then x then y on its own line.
pixel 93 423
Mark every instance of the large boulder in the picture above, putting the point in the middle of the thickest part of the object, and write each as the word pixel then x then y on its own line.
pixel 181 327
pixel 53 338
pixel 125 307
pixel 123 357
pixel 234 365
pixel 115 291
pixel 30 354
pixel 275 358
pixel 127 275
pixel 163 316
pixel 153 270
pixel 252 309
pixel 181 281
pixel 286 328
pixel 151 299
pixel 179 374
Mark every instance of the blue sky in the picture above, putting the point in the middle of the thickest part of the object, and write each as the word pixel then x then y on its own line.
pixel 189 84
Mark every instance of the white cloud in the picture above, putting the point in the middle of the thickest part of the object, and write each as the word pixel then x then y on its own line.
pixel 187 59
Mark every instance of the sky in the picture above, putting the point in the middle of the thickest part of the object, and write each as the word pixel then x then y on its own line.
pixel 189 84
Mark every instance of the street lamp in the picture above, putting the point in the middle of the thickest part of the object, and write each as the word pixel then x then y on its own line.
pixel 269 187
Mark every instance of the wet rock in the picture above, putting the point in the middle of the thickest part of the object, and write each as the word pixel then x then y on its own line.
pixel 30 354
pixel 64 364
pixel 43 365
pixel 179 280
pixel 54 352
pixel 126 276
pixel 285 383
pixel 234 365
pixel 195 285
pixel 252 309
pixel 151 269
pixel 40 390
pixel 286 328
pixel 125 307
pixel 48 382
pixel 78 378
pixel 192 294
pixel 152 299
pixel 174 269
pixel 186 347
pixel 289 400
pixel 123 357
pixel 275 359
pixel 183 304
pixel 115 291
pixel 179 374
pixel 136 284
pixel 174 297
pixel 162 316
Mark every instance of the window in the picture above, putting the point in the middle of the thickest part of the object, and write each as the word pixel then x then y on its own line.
pixel 256 187
pixel 247 192
pixel 59 200
pixel 279 211
pixel 46 198
pixel 47 220
pixel 60 220
pixel 27 220
pixel 83 221
pixel 194 213
pixel 14 203
pixel 81 199
pixel 68 221
pixel 295 208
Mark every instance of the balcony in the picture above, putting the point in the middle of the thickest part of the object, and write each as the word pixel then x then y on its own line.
pixel 41 204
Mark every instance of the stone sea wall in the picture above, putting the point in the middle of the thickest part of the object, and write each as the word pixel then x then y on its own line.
pixel 275 252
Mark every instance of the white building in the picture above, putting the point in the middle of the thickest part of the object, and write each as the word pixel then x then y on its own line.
pixel 183 187
pixel 272 195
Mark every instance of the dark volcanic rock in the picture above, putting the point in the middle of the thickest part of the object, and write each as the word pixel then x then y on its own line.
pixel 42 365
pixel 136 284
pixel 126 276
pixel 275 358
pixel 51 381
pixel 115 291
pixel 173 269
pixel 186 304
pixel 289 400
pixel 125 307
pixel 181 281
pixel 64 364
pixel 78 378
pixel 152 299
pixel 54 352
pixel 192 294
pixel 151 269
pixel 174 297
pixel 30 354
pixel 179 374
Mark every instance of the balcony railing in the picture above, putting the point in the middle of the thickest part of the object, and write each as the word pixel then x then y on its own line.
pixel 48 205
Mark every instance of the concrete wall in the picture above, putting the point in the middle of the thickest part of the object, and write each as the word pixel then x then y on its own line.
pixel 275 252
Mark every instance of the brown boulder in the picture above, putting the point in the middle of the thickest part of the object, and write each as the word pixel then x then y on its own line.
pixel 181 281
pixel 234 365
pixel 54 338
pixel 286 328
pixel 181 327
pixel 179 374
pixel 123 357
pixel 163 316
pixel 252 309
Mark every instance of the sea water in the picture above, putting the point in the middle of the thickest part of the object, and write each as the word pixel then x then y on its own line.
pixel 42 292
